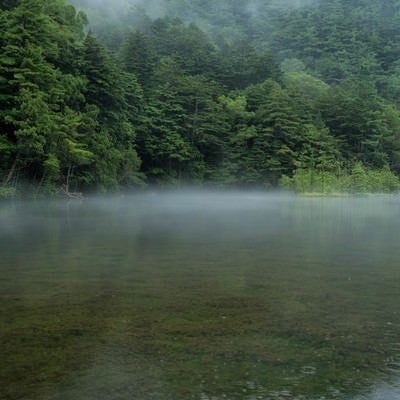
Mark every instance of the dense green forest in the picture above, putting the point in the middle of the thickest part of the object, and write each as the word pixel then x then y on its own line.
pixel 302 95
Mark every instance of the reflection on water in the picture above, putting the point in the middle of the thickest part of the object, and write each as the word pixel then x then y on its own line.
pixel 382 391
pixel 200 296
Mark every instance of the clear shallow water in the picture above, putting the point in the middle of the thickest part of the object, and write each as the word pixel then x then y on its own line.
pixel 200 296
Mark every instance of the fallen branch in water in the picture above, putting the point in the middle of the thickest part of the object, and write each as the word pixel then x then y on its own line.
pixel 72 195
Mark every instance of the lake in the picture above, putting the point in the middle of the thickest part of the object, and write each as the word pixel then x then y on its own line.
pixel 200 295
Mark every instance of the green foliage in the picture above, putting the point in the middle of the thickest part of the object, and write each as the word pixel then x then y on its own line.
pixel 311 181
pixel 358 181
pixel 138 57
pixel 7 192
pixel 200 92
pixel 65 113
pixel 382 181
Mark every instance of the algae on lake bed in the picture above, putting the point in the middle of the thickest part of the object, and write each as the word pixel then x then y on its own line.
pixel 262 302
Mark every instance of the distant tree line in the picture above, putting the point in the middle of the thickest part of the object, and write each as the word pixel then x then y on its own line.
pixel 163 102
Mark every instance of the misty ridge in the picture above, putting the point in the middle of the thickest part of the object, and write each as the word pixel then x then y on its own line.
pixel 188 11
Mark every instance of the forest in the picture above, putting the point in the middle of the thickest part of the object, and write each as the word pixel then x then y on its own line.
pixel 100 96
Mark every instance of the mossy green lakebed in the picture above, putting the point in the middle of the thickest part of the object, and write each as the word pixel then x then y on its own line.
pixel 199 297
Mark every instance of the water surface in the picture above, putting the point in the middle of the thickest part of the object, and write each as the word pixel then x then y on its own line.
pixel 200 296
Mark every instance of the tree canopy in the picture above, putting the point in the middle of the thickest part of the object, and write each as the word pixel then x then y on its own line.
pixel 215 93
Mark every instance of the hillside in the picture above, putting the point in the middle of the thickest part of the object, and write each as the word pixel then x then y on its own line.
pixel 300 94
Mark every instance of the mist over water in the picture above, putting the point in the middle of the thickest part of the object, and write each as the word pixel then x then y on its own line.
pixel 200 295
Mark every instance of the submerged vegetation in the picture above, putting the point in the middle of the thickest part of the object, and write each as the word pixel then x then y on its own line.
pixel 299 94
pixel 157 345
pixel 199 296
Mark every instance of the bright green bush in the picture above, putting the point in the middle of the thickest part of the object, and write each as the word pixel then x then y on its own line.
pixel 7 192
pixel 360 180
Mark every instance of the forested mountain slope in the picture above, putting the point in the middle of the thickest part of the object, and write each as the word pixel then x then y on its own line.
pixel 333 39
pixel 302 94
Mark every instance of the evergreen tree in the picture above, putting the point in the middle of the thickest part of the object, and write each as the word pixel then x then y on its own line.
pixel 200 98
pixel 138 57
pixel 36 118
pixel 358 178
pixel 112 140
pixel 354 114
